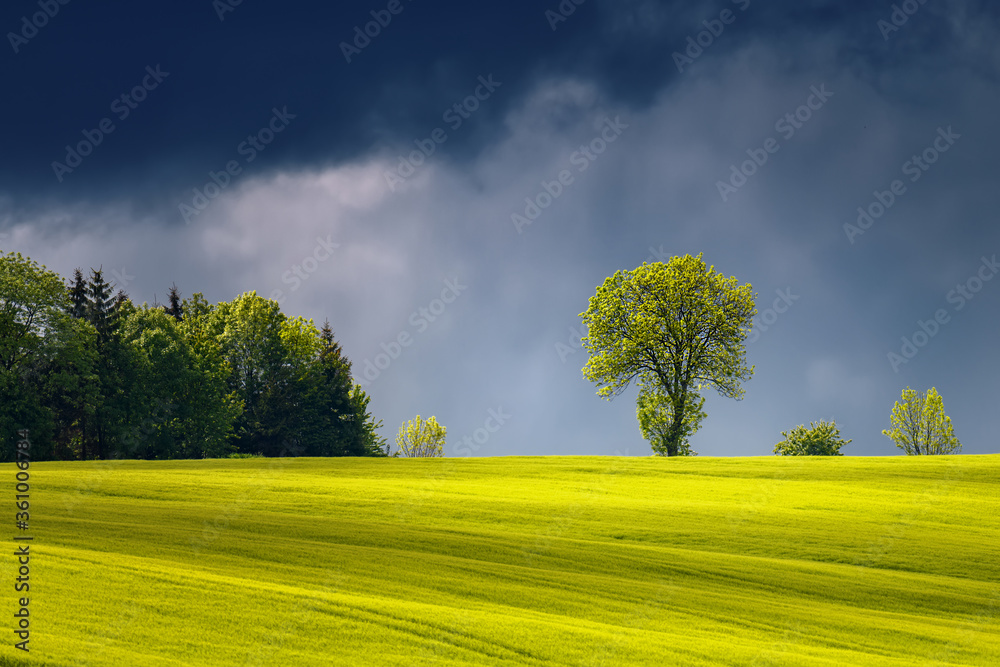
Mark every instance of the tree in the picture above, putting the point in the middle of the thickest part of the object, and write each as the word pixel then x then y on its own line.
pixel 364 431
pixel 680 325
pixel 218 404
pixel 186 413
pixel 339 430
pixel 33 304
pixel 65 375
pixel 920 426
pixel 290 412
pixel 90 375
pixel 32 299
pixel 822 439
pixel 248 330
pixel 654 410
pixel 293 381
pixel 175 309
pixel 115 370
pixel 100 308
pixel 78 295
pixel 418 438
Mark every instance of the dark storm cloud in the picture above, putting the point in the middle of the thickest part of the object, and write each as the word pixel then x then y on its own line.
pixel 226 75
pixel 696 89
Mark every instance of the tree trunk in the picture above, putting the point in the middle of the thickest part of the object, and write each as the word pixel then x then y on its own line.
pixel 673 440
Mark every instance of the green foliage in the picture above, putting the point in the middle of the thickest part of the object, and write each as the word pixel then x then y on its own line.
pixel 920 426
pixel 116 370
pixel 32 300
pixel 100 309
pixel 90 375
pixel 364 432
pixel 249 334
pixel 293 382
pixel 219 404
pixel 169 377
pixel 66 379
pixel 270 358
pixel 680 325
pixel 78 296
pixel 418 438
pixel 820 439
pixel 654 410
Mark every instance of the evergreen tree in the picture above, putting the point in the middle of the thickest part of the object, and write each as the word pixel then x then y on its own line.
pixel 92 376
pixel 175 309
pixel 336 403
pixel 66 380
pixel 115 370
pixel 78 296
pixel 100 305
pixel 368 442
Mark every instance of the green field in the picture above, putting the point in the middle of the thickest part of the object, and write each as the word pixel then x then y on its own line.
pixel 562 560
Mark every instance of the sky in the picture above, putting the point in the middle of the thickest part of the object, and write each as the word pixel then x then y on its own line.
pixel 448 183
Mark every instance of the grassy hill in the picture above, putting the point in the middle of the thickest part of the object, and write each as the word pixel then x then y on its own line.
pixel 573 561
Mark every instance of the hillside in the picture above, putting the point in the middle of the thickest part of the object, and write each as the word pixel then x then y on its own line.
pixel 574 561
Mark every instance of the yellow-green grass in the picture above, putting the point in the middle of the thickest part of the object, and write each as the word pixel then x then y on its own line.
pixel 536 560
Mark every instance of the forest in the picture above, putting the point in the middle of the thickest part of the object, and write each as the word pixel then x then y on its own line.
pixel 92 375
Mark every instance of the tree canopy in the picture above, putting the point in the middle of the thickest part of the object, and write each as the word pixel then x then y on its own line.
pixel 676 327
pixel 820 439
pixel 93 376
pixel 420 438
pixel 920 426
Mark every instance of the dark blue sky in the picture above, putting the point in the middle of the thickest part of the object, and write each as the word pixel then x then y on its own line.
pixel 465 182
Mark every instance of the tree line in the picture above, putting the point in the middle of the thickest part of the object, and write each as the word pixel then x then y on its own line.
pixel 94 376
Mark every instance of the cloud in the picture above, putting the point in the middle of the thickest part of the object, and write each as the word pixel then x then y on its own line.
pixel 654 186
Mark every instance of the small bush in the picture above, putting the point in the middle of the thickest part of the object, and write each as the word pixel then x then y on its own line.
pixel 822 439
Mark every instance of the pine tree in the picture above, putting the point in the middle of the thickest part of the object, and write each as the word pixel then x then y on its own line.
pixel 336 396
pixel 115 372
pixel 78 296
pixel 369 442
pixel 82 420
pixel 175 309
pixel 100 305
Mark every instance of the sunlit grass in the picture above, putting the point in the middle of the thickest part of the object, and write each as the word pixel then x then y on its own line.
pixel 576 560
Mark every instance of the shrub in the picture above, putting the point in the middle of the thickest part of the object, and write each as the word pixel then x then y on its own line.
pixel 822 439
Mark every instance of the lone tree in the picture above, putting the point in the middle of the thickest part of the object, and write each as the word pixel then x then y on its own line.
pixel 822 439
pixel 675 327
pixel 418 438
pixel 920 426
